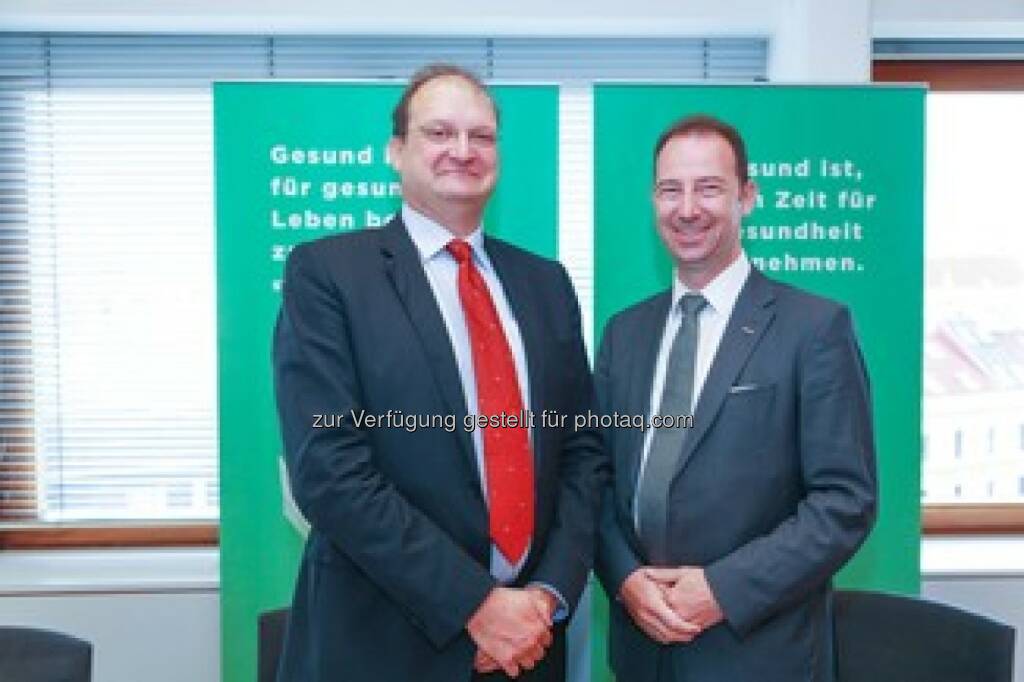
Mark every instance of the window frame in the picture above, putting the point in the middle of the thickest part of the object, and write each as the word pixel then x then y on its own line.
pixel 121 534
pixel 960 75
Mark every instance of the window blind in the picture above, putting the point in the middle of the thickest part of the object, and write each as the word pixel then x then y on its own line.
pixel 947 48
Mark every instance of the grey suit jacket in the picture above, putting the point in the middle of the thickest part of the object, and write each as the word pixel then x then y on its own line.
pixel 775 488
pixel 397 558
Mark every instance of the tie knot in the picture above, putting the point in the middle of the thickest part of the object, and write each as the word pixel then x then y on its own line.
pixel 460 250
pixel 691 304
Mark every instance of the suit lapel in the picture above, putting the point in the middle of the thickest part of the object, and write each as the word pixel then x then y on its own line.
pixel 641 377
pixel 750 318
pixel 404 269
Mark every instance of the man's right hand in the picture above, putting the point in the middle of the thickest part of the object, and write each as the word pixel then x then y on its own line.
pixel 511 628
pixel 647 603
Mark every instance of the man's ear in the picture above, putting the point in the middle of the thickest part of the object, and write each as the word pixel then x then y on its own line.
pixel 395 147
pixel 748 196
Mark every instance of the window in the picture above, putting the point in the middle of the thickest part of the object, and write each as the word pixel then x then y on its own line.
pixel 109 220
pixel 974 272
pixel 107 239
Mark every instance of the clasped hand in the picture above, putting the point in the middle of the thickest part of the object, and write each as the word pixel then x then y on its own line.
pixel 512 629
pixel 671 605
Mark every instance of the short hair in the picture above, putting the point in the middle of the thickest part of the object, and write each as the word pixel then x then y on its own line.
pixel 400 115
pixel 704 124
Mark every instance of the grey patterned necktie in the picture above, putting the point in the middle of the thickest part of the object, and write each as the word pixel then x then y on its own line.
pixel 667 443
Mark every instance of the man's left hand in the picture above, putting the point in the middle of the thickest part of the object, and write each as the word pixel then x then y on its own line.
pixel 688 593
pixel 546 604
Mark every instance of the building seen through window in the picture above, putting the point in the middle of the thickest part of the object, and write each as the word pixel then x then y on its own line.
pixel 974 319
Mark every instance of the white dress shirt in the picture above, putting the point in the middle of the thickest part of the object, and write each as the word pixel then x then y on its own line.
pixel 442 272
pixel 721 294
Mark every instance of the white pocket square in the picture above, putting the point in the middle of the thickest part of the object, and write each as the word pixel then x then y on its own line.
pixel 744 388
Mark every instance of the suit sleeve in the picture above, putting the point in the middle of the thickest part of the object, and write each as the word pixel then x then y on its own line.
pixel 334 478
pixel 568 552
pixel 615 559
pixel 837 457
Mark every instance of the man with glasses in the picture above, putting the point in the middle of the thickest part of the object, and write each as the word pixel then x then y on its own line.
pixel 435 554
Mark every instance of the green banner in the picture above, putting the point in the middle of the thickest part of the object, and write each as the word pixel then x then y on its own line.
pixel 840 212
pixel 299 161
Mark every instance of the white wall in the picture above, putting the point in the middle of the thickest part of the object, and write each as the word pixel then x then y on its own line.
pixel 945 19
pixel 151 616
pixel 527 17
pixel 822 42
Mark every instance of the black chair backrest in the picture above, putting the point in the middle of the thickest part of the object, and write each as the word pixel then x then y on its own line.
pixel 272 626
pixel 885 637
pixel 34 655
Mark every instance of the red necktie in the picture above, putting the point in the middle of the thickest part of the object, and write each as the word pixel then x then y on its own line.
pixel 507 456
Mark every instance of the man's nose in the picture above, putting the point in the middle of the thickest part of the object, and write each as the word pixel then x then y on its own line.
pixel 688 208
pixel 460 146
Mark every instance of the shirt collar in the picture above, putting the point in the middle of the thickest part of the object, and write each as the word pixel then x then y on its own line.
pixel 431 238
pixel 721 292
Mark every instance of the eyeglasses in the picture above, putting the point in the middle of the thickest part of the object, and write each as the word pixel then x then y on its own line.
pixel 439 133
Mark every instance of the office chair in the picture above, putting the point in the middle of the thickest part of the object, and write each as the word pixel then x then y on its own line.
pixel 272 626
pixel 891 638
pixel 33 655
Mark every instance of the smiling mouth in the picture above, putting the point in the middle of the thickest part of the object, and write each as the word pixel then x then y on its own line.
pixel 458 172
pixel 688 235
pixel 688 228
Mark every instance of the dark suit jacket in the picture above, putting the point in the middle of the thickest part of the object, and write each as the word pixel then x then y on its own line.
pixel 397 559
pixel 775 488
